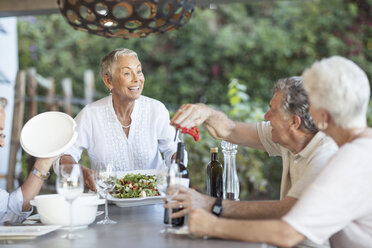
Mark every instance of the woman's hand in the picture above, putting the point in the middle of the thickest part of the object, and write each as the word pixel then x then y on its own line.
pixel 88 178
pixel 87 173
pixel 201 223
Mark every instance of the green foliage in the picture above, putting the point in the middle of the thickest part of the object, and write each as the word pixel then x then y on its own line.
pixel 253 168
pixel 257 43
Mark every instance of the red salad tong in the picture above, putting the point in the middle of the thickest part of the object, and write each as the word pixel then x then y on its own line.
pixel 194 132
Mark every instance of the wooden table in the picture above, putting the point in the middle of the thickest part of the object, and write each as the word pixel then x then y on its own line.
pixel 137 227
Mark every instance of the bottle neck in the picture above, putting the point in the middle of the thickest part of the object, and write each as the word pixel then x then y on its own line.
pixel 180 153
pixel 180 160
pixel 214 156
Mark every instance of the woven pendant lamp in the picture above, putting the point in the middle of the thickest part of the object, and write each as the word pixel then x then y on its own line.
pixel 126 18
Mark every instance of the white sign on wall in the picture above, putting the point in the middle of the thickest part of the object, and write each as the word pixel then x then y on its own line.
pixel 8 71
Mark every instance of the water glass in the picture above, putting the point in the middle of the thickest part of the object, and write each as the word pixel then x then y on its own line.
pixel 105 176
pixel 70 184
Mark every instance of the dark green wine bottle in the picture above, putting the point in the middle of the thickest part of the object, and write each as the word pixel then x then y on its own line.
pixel 214 175
pixel 185 181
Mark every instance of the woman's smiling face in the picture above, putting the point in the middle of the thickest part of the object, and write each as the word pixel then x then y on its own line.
pixel 128 79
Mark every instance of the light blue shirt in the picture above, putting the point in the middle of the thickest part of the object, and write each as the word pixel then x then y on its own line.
pixel 11 207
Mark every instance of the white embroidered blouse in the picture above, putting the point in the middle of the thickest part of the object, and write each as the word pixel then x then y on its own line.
pixel 101 134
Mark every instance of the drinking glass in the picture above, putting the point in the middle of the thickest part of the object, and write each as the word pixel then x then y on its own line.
pixel 70 184
pixel 166 177
pixel 105 179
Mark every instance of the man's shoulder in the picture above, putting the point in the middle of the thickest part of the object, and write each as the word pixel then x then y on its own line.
pixel 324 141
pixel 321 147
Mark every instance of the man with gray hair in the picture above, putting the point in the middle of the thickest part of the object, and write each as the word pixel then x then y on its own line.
pixel 289 132
pixel 15 206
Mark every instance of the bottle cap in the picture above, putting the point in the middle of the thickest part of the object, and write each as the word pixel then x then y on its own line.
pixel 214 149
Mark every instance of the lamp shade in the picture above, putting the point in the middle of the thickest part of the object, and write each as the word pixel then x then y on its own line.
pixel 126 18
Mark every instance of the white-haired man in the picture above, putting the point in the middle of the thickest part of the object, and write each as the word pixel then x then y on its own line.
pixel 337 205
pixel 15 206
pixel 289 132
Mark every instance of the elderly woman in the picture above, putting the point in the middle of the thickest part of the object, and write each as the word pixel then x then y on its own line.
pixel 125 127
pixel 338 204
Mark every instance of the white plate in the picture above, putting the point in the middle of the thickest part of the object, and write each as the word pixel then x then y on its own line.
pixel 48 134
pixel 130 202
pixel 25 232
pixel 33 217
pixel 36 217
pixel 74 227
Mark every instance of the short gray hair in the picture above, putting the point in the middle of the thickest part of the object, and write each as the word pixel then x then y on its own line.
pixel 295 101
pixel 340 87
pixel 3 102
pixel 108 63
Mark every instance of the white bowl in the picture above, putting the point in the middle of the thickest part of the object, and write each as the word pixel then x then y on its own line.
pixel 48 134
pixel 55 210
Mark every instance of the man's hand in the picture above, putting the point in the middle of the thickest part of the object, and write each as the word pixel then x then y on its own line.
pixel 191 115
pixel 188 199
pixel 88 178
pixel 201 223
pixel 218 125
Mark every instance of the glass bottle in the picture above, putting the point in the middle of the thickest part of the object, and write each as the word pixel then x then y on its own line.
pixel 214 175
pixel 184 181
pixel 230 175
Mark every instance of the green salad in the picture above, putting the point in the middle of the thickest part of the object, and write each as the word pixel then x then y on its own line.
pixel 135 185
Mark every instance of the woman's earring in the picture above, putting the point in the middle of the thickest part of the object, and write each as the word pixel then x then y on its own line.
pixel 110 91
pixel 322 126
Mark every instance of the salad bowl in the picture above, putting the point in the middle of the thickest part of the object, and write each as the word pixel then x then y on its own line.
pixel 137 198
